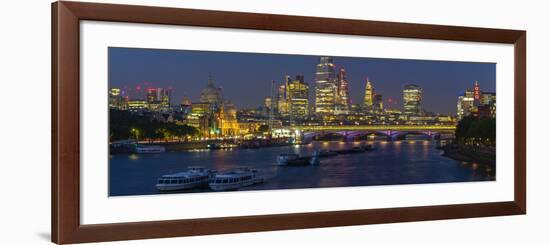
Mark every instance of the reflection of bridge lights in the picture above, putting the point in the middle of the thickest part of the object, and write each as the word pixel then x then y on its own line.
pixel 412 141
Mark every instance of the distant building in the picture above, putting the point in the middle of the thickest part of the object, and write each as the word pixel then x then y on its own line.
pixel 378 104
pixel 116 101
pixel 325 87
pixel 343 101
pixel 138 105
pixel 227 120
pixel 158 99
pixel 465 104
pixel 283 98
pixel 212 116
pixel 298 98
pixel 476 102
pixel 369 95
pixel 211 94
pixel 412 99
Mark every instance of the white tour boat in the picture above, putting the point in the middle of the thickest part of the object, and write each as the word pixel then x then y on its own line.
pixel 234 179
pixel 144 149
pixel 193 177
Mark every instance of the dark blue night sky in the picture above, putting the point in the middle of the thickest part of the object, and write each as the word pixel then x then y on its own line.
pixel 246 77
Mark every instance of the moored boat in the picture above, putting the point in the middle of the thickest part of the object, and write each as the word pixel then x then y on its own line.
pixel 324 153
pixel 235 179
pixel 192 178
pixel 148 149
pixel 284 159
pixel 297 160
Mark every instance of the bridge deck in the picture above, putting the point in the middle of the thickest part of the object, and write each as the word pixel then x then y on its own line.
pixel 378 127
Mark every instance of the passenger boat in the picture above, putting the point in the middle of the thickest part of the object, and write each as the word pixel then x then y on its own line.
pixel 144 149
pixel 235 179
pixel 297 160
pixel 192 178
pixel 324 153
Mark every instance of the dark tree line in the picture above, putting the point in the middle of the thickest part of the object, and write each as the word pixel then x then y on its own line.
pixel 473 130
pixel 126 125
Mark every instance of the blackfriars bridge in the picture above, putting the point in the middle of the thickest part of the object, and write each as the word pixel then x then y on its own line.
pixel 393 132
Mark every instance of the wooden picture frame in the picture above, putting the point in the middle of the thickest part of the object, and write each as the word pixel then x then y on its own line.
pixel 66 226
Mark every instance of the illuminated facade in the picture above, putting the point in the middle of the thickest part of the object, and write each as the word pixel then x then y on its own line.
pixel 378 104
pixel 298 97
pixel 116 101
pixel 138 105
pixel 412 99
pixel 158 99
pixel 212 116
pixel 283 102
pixel 369 95
pixel 476 102
pixel 465 104
pixel 227 120
pixel 325 87
pixel 343 101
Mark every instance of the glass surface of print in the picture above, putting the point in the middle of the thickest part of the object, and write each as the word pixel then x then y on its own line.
pixel 198 121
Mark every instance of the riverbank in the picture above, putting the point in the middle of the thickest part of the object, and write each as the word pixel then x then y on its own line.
pixel 470 154
pixel 128 147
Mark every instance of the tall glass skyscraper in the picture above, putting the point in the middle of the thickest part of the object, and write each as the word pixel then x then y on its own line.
pixel 298 92
pixel 369 95
pixel 325 87
pixel 412 98
pixel 343 100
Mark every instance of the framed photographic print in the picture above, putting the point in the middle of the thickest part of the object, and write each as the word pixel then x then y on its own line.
pixel 176 122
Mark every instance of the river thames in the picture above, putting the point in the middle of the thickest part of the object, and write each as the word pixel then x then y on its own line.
pixel 391 163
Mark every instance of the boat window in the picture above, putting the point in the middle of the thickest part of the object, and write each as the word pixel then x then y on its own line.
pixel 174 181
pixel 161 181
pixel 180 181
pixel 225 181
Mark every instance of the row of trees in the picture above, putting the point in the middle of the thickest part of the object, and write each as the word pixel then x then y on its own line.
pixel 476 130
pixel 125 125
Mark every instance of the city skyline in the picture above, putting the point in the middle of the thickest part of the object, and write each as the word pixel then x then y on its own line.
pixel 186 73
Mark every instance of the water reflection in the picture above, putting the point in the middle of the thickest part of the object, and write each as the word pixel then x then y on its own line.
pixel 393 162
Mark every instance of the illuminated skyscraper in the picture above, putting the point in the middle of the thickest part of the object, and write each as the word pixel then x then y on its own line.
pixel 283 102
pixel 378 104
pixel 158 99
pixel 465 104
pixel 342 98
pixel 325 87
pixel 298 92
pixel 369 92
pixel 412 99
